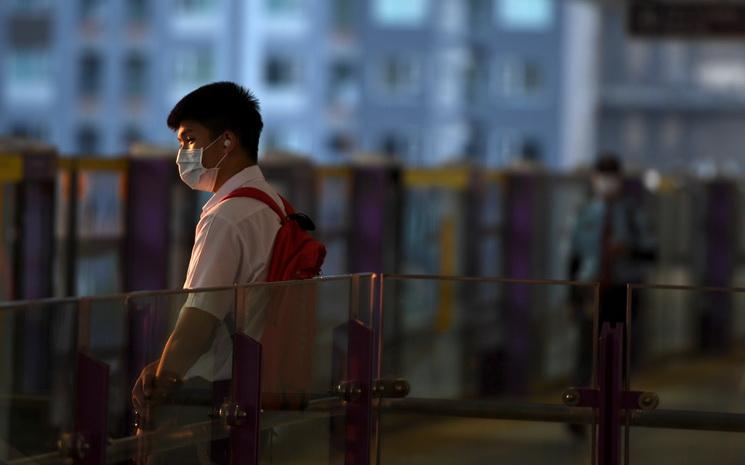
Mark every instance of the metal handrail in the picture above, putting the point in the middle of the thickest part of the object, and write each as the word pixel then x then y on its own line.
pixel 524 411
pixel 162 441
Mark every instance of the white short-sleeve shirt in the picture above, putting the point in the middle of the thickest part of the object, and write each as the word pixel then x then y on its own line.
pixel 233 244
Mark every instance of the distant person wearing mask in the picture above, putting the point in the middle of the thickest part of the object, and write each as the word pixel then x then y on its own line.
pixel 610 244
pixel 218 128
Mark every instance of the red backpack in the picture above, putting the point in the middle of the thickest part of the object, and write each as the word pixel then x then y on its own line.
pixel 289 330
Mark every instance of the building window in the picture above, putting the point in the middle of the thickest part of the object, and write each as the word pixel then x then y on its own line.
pixel 135 75
pixel 722 75
pixel 510 146
pixel 477 76
pixel 398 76
pixel 283 7
pixel 343 14
pixel 343 85
pixel 638 59
pixel 87 140
pixel 281 72
pixel 534 15
pixel 137 10
pixel 635 134
pixel 284 139
pixel 91 10
pixel 671 133
pixel 675 58
pixel 29 130
pixel 91 69
pixel 399 145
pixel 341 144
pixel 479 15
pixel 193 67
pixel 29 67
pixel 194 7
pixel 521 79
pixel 28 76
pixel 400 13
pixel 131 136
pixel 30 5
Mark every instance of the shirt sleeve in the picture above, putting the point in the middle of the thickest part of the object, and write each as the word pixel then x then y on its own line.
pixel 215 262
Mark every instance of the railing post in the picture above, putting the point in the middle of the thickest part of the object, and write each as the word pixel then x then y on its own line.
pixel 87 445
pixel 610 398
pixel 242 415
pixel 358 429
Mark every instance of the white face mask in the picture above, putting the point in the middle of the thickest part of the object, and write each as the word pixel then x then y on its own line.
pixel 192 171
pixel 606 186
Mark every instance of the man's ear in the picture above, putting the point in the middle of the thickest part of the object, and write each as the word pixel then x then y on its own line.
pixel 231 142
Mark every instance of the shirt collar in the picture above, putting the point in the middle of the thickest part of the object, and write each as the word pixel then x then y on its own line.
pixel 250 175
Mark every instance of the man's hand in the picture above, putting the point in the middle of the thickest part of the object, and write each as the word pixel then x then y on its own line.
pixel 152 388
pixel 142 388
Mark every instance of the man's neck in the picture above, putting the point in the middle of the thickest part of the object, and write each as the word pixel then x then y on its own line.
pixel 228 172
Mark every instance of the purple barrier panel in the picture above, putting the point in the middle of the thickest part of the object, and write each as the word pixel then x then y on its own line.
pixel 359 403
pixel 91 411
pixel 368 222
pixel 518 252
pixel 721 247
pixel 244 412
pixel 148 224
pixel 610 396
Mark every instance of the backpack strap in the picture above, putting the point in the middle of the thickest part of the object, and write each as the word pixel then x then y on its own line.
pixel 261 196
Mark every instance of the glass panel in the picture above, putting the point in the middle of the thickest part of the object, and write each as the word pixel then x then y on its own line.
pixel 688 346
pixel 37 376
pixel 7 240
pixel 192 330
pixel 484 345
pixel 303 420
pixel 103 334
pixel 101 211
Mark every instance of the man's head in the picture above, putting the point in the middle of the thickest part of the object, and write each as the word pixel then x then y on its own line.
pixel 607 176
pixel 221 110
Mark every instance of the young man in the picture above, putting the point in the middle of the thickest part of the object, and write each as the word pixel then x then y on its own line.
pixel 611 243
pixel 218 128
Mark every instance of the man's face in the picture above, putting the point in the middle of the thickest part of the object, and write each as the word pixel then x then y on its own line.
pixel 606 185
pixel 193 135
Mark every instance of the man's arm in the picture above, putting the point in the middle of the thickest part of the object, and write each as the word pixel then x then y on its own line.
pixel 192 337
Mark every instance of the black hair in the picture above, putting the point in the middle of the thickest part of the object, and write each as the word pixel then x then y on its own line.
pixel 222 106
pixel 608 163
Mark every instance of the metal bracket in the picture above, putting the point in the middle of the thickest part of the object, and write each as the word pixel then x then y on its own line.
pixel 391 388
pixel 74 446
pixel 350 391
pixel 630 400
pixel 232 414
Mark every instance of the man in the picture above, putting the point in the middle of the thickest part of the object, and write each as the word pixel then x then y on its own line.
pixel 610 244
pixel 218 128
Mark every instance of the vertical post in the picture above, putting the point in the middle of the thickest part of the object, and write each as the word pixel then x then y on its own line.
pixel 91 410
pixel 519 252
pixel 244 436
pixel 358 429
pixel 720 254
pixel 148 224
pixel 337 426
pixel 609 383
pixel 71 246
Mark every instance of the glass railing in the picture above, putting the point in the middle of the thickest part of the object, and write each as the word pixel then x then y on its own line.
pixel 38 345
pixel 481 357
pixel 362 368
pixel 687 345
